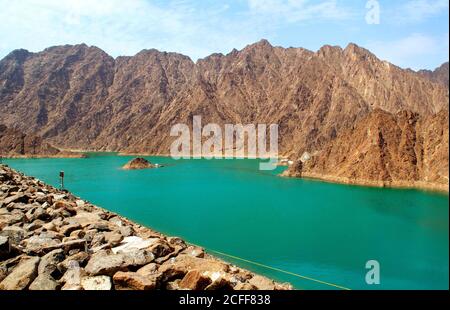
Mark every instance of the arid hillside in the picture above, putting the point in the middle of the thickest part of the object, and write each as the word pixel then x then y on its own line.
pixel 78 97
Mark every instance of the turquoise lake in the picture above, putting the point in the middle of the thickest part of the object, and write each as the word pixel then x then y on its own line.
pixel 310 228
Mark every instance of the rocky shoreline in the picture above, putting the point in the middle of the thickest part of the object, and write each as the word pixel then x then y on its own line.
pixel 418 185
pixel 36 156
pixel 51 240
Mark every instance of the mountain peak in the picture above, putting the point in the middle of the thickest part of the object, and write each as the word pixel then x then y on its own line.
pixel 354 49
pixel 263 43
pixel 18 54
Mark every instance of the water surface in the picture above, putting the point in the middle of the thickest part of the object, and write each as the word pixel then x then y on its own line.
pixel 311 228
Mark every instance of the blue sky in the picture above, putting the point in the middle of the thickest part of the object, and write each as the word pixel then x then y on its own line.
pixel 410 33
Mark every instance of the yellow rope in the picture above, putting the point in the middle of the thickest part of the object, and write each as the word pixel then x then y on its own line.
pixel 283 271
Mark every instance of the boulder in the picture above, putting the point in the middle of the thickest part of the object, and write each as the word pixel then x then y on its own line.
pixel 80 258
pixel 194 280
pixel 19 197
pixel 44 282
pixel 262 283
pixel 49 262
pixel 133 281
pixel 86 218
pixel 126 231
pixel 138 258
pixel 187 263
pixel 101 225
pixel 114 238
pixel 133 242
pixel 5 247
pixel 245 287
pixel 68 229
pixel 11 218
pixel 194 251
pixel 102 263
pixel 36 213
pixel 78 234
pixel 72 277
pixel 161 248
pixel 98 283
pixel 35 225
pixel 220 281
pixel 41 244
pixel 14 233
pixel 22 275
pixel 148 270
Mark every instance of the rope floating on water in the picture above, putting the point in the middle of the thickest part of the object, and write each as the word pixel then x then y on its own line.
pixel 283 271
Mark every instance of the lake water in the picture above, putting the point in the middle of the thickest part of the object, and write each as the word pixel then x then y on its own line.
pixel 319 230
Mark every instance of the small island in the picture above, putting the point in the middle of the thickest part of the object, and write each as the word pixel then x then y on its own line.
pixel 139 163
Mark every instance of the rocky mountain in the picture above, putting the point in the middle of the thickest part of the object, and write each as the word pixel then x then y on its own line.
pixel 439 75
pixel 78 97
pixel 383 149
pixel 14 143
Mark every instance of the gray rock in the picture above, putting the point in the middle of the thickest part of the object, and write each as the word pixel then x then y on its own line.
pixel 34 225
pixel 41 244
pixel 100 226
pixel 133 242
pixel 44 282
pixel 19 197
pixel 22 275
pixel 98 240
pixel 13 217
pixel 15 234
pixel 72 277
pixel 79 258
pixel 102 263
pixel 138 258
pixel 5 247
pixel 35 214
pixel 49 262
pixel 98 283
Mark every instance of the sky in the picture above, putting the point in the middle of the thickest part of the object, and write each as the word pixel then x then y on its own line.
pixel 409 33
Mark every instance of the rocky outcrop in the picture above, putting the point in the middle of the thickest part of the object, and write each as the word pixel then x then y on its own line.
pixel 383 149
pixel 51 240
pixel 14 143
pixel 139 163
pixel 439 75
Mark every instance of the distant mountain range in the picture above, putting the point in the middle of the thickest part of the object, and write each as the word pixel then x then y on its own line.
pixel 359 118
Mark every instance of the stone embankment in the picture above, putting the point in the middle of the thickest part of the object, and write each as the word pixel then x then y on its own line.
pixel 52 240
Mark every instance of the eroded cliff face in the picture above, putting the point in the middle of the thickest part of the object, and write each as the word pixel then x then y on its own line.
pixel 383 149
pixel 78 97
pixel 14 143
pixel 439 75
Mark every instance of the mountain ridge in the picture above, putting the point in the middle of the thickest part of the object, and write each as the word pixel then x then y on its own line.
pixel 79 97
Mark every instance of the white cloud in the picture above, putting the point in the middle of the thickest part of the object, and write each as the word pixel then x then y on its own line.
pixel 299 10
pixel 122 27
pixel 412 49
pixel 420 10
